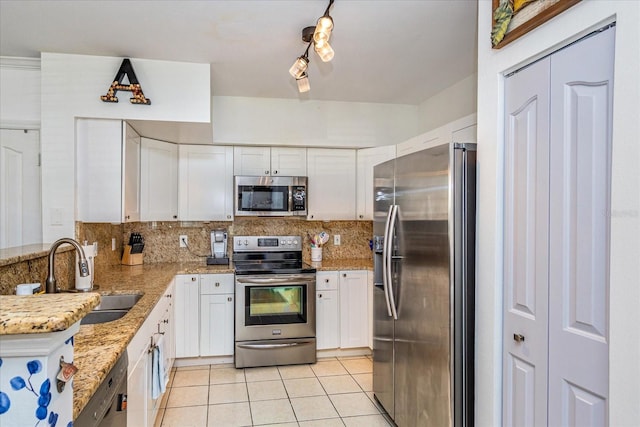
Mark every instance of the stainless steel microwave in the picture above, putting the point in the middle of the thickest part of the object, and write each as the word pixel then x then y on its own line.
pixel 270 196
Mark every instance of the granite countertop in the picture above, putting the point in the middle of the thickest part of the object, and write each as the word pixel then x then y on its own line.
pixel 31 314
pixel 97 347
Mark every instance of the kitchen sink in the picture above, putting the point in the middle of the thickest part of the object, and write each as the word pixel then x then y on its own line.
pixel 111 307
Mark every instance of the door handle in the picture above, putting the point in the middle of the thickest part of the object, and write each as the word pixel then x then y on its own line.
pixel 518 337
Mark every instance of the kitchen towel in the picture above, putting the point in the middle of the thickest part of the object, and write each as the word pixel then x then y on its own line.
pixel 158 378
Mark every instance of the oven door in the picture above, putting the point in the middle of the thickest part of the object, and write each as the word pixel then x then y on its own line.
pixel 275 306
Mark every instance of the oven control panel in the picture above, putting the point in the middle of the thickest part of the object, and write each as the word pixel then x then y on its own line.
pixel 266 243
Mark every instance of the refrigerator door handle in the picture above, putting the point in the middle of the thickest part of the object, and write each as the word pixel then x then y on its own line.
pixel 389 247
pixel 385 266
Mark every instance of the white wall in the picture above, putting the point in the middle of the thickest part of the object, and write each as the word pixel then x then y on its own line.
pixel 625 215
pixel 271 121
pixel 456 101
pixel 20 89
pixel 72 86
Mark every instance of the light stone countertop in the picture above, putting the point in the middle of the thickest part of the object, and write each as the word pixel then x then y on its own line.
pixel 97 347
pixel 32 314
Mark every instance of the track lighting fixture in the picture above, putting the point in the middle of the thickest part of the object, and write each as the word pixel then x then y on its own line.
pixel 318 36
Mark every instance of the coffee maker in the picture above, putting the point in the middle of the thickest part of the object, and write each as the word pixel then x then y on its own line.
pixel 218 248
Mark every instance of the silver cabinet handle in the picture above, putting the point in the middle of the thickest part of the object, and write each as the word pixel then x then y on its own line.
pixel 266 172
pixel 193 279
pixel 518 337
pixel 217 284
pixel 319 295
pixel 326 280
pixel 229 299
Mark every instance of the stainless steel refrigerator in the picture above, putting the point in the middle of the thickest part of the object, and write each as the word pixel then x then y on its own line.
pixel 424 277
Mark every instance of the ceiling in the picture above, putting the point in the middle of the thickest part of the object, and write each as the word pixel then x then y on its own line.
pixel 395 51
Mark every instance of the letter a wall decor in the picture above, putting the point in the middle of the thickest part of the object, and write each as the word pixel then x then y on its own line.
pixel 126 69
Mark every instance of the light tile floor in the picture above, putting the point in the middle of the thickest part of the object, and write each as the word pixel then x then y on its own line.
pixel 331 392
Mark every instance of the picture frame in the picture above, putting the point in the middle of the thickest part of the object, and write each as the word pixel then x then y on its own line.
pixel 512 19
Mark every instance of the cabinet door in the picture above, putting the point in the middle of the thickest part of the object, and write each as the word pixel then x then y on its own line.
pixel 216 324
pixel 254 161
pixel 99 170
pixel 187 316
pixel 433 138
pixel 354 312
pixel 206 183
pixel 328 171
pixel 137 391
pixel 158 181
pixel 327 320
pixel 367 158
pixel 464 129
pixel 131 177
pixel 288 161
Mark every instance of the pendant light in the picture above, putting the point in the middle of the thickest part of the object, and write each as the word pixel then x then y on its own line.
pixel 318 36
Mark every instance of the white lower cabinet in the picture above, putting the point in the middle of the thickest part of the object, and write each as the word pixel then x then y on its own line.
pixel 187 314
pixel 327 311
pixel 342 309
pixel 354 309
pixel 204 315
pixel 142 408
pixel 217 301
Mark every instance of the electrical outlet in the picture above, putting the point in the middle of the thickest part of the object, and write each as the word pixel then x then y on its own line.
pixel 184 240
pixel 336 240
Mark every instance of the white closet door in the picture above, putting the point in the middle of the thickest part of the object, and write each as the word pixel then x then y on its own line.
pixel 20 212
pixel 526 246
pixel 581 117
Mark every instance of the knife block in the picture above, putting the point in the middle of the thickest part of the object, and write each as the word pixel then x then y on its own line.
pixel 131 259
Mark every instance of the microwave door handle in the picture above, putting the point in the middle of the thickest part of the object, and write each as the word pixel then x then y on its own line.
pixel 385 266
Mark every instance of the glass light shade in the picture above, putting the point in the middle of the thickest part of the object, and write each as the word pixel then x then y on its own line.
pixel 299 67
pixel 323 29
pixel 324 51
pixel 303 84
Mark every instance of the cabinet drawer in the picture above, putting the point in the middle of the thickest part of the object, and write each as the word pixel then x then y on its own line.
pixel 327 280
pixel 216 284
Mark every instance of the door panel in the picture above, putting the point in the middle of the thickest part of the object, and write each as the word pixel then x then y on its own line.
pixel 520 392
pixel 526 245
pixel 20 217
pixel 581 111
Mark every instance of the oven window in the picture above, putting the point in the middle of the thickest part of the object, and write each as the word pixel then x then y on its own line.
pixel 263 198
pixel 271 305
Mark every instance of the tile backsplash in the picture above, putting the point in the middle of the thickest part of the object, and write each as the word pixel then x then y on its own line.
pixel 162 244
pixel 162 238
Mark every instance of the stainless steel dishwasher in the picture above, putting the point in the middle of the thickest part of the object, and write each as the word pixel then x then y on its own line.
pixel 107 407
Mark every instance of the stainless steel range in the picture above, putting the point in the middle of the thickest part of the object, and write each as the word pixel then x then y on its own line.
pixel 275 302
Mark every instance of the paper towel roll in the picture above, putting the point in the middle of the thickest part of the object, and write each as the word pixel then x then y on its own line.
pixel 86 283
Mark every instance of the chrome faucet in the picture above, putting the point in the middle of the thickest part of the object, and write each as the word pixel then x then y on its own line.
pixel 51 287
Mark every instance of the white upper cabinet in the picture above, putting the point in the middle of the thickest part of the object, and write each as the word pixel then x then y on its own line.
pixel 131 181
pixel 461 130
pixel 261 161
pixel 332 184
pixel 158 181
pixel 205 183
pixel 367 158
pixel 108 171
pixel 288 161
